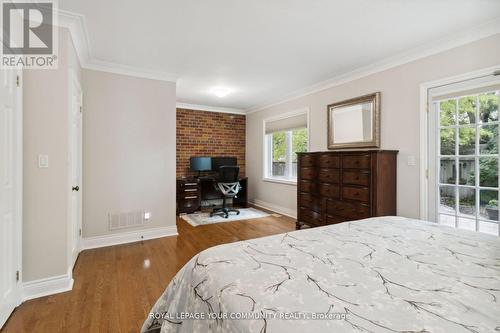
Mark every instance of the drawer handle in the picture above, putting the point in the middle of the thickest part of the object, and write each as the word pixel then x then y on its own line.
pixel 191 197
pixel 191 190
pixel 190 184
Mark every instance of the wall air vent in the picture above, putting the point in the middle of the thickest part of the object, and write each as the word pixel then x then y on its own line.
pixel 125 220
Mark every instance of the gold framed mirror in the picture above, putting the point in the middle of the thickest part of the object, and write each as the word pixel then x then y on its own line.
pixel 355 123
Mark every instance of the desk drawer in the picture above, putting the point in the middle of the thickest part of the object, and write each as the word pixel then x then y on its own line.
pixel 361 177
pixel 308 160
pixel 356 162
pixel 308 186
pixel 308 173
pixel 310 201
pixel 349 210
pixel 329 161
pixel 329 190
pixel 308 216
pixel 329 176
pixel 356 193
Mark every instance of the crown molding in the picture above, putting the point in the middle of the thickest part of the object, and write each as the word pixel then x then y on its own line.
pixel 77 26
pixel 487 29
pixel 109 67
pixel 207 108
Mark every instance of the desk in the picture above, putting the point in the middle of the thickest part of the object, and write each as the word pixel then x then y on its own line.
pixel 191 192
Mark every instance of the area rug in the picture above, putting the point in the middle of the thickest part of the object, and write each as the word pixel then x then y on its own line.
pixel 203 218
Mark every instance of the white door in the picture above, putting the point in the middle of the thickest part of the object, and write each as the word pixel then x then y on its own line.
pixel 464 154
pixel 10 190
pixel 75 170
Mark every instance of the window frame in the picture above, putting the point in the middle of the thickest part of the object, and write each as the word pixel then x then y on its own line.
pixel 267 148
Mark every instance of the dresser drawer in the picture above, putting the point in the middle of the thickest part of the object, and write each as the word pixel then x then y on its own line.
pixel 310 201
pixel 308 173
pixel 310 217
pixel 356 193
pixel 329 190
pixel 356 177
pixel 352 211
pixel 356 162
pixel 335 219
pixel 329 161
pixel 329 176
pixel 308 186
pixel 307 160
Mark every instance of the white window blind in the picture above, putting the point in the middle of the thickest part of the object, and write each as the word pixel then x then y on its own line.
pixel 286 124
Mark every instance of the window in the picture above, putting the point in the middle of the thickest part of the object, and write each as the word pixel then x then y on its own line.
pixel 284 138
pixel 467 161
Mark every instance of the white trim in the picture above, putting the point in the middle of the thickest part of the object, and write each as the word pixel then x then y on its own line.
pixel 47 286
pixel 77 26
pixel 208 108
pixel 487 29
pixel 424 99
pixel 109 67
pixel 280 181
pixel 19 181
pixel 275 208
pixel 128 237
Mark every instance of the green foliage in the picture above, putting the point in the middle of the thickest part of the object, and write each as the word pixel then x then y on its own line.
pixel 279 147
pixel 299 142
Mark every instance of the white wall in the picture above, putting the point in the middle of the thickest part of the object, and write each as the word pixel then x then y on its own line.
pixel 399 119
pixel 46 191
pixel 129 150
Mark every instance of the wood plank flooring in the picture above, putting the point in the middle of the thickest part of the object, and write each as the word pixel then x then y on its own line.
pixel 115 287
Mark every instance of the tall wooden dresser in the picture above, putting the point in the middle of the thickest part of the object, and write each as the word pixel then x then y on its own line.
pixel 339 186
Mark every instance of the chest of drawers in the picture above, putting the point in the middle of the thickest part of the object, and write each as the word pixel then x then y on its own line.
pixel 334 187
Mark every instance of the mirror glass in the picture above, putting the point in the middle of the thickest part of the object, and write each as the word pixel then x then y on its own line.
pixel 352 123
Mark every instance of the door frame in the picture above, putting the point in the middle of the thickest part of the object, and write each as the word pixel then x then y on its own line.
pixel 74 83
pixel 19 188
pixel 17 74
pixel 425 107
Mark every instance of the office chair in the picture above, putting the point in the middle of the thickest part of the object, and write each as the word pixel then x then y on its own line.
pixel 228 185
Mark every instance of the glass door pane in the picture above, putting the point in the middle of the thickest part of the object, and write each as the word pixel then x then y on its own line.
pixel 467 171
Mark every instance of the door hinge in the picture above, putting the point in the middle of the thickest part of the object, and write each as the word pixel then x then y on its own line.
pixel 17 275
pixel 81 108
pixel 17 80
pixel 427 173
pixel 80 231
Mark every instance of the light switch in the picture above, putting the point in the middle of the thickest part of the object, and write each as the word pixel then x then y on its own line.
pixel 43 161
pixel 147 216
pixel 411 160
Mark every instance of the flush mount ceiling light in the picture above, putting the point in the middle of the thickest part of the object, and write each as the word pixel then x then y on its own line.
pixel 221 91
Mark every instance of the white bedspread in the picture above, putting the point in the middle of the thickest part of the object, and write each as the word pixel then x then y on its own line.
pixel 387 274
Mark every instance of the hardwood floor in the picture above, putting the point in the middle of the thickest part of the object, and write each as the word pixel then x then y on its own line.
pixel 115 287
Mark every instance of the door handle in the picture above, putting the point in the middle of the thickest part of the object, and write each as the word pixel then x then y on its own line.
pixel 75 188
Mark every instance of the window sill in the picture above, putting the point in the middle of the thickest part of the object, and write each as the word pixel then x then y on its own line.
pixel 280 181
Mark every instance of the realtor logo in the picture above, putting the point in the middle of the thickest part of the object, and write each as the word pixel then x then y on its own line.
pixel 29 34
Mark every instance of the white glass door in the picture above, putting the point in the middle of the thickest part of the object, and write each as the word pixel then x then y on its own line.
pixel 466 141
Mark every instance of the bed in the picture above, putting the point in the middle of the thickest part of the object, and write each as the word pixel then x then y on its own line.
pixel 386 274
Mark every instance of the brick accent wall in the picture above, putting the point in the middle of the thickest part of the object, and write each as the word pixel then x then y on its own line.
pixel 201 133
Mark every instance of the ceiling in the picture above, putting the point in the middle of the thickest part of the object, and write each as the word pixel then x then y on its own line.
pixel 265 50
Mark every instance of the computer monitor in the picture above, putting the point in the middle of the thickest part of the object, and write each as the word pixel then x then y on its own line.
pixel 200 164
pixel 217 162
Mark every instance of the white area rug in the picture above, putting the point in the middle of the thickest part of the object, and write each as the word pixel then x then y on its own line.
pixel 203 218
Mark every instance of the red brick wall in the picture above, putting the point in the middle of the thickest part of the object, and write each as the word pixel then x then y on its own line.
pixel 201 133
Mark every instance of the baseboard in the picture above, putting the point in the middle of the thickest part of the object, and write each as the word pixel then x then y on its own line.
pixel 47 286
pixel 275 208
pixel 128 237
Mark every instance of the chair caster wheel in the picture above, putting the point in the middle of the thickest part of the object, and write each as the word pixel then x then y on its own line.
pixel 237 213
